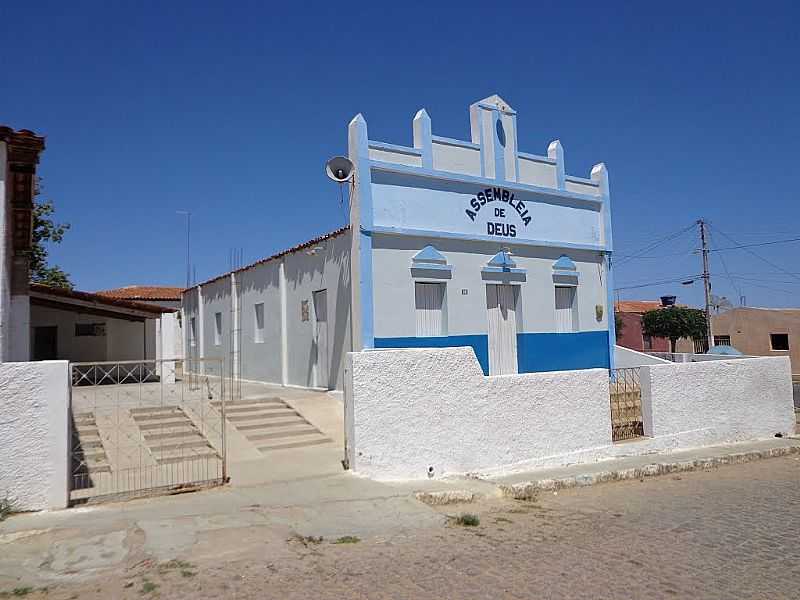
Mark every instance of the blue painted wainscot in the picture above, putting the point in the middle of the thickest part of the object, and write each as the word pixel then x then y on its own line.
pixel 535 351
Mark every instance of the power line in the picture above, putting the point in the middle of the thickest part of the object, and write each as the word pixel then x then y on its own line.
pixel 652 283
pixel 766 280
pixel 743 246
pixel 727 273
pixel 758 256
pixel 766 287
pixel 642 251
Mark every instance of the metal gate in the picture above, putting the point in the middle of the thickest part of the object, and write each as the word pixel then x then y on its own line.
pixel 626 404
pixel 142 428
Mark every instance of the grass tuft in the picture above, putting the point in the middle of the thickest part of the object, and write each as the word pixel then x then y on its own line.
pixel 7 509
pixel 308 540
pixel 148 587
pixel 468 520
pixel 347 539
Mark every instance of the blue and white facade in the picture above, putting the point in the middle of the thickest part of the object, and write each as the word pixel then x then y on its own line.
pixel 450 243
pixel 475 243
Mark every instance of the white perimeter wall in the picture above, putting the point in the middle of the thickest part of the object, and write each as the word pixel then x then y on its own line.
pixel 408 410
pixel 696 404
pixel 625 358
pixel 34 468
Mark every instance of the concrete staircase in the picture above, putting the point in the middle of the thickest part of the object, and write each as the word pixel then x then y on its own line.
pixel 170 435
pixel 87 446
pixel 271 424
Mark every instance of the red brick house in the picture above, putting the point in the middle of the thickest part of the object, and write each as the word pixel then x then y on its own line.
pixel 631 336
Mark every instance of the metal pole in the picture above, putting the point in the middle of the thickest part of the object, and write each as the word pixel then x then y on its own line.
pixel 188 250
pixel 706 282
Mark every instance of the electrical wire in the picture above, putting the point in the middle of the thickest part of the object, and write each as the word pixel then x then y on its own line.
pixel 627 257
pixel 758 256
pixel 765 280
pixel 653 283
pixel 736 287
pixel 743 246
pixel 766 287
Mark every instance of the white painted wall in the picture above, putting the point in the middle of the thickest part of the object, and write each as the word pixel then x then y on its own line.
pixel 625 358
pixel 168 336
pixel 393 285
pixel 408 410
pixel 20 349
pixel 34 434
pixel 287 352
pixel 702 403
pixel 327 269
pixel 123 339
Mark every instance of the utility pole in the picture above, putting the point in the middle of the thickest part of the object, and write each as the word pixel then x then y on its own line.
pixel 188 255
pixel 706 282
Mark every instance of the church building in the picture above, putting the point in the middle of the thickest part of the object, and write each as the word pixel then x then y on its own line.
pixel 450 243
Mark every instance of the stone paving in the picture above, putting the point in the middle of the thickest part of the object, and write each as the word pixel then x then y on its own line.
pixel 725 533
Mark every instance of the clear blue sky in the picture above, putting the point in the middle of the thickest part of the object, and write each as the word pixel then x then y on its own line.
pixel 231 109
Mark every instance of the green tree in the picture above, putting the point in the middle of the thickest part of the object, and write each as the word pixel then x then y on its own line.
pixel 46 231
pixel 675 322
pixel 619 325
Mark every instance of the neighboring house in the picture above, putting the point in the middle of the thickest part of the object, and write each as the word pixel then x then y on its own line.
pixel 85 327
pixel 450 243
pixel 760 332
pixel 19 156
pixel 632 336
pixel 158 295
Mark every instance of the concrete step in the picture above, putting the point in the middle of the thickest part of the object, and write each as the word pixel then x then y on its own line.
pixel 184 454
pixel 172 435
pixel 299 444
pixel 85 429
pixel 154 409
pixel 254 408
pixel 101 468
pixel 171 424
pixel 88 443
pixel 84 421
pixel 161 417
pixel 193 443
pixel 90 453
pixel 284 433
pixel 291 420
pixel 264 415
pixel 254 401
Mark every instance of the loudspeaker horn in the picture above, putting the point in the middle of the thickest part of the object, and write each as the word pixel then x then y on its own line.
pixel 339 168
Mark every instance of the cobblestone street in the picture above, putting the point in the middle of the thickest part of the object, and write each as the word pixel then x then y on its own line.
pixel 725 533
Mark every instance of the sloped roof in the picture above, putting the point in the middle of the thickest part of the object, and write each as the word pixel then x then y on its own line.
pixel 143 292
pixel 636 306
pixel 38 288
pixel 307 244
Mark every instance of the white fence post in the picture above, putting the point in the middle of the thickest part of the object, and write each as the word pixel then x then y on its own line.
pixel 645 385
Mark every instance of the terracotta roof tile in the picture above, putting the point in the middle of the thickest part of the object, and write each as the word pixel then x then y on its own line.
pixel 636 306
pixel 97 298
pixel 143 292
